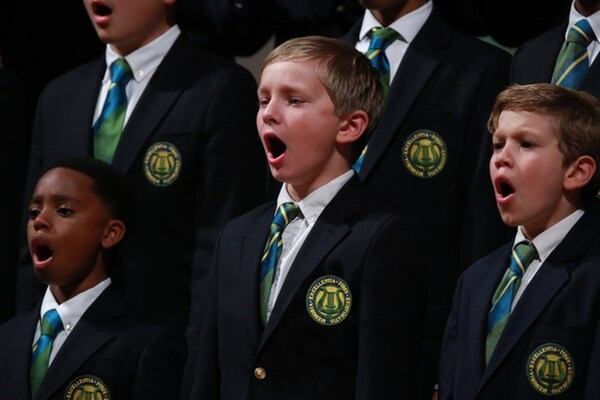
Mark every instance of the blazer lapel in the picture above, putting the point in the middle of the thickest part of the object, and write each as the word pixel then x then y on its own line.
pixel 544 59
pixel 591 83
pixel 481 301
pixel 329 230
pixel 19 358
pixel 88 336
pixel 253 245
pixel 552 276
pixel 77 139
pixel 421 59
pixel 165 87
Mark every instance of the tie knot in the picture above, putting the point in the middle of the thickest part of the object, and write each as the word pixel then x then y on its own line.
pixel 51 323
pixel 285 214
pixel 381 38
pixel 581 33
pixel 522 255
pixel 120 72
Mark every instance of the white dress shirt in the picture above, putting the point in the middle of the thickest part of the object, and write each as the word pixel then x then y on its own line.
pixel 544 243
pixel 70 313
pixel 407 26
pixel 594 20
pixel 143 63
pixel 297 230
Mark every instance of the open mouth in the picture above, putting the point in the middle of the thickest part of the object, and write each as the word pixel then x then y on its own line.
pixel 101 9
pixel 503 188
pixel 275 146
pixel 41 254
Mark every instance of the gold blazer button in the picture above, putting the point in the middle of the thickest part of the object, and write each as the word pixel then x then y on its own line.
pixel 260 373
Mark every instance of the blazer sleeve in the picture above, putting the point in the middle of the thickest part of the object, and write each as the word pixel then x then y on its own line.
pixel 232 169
pixel 159 370
pixel 479 239
pixel 201 374
pixel 447 364
pixel 390 318
pixel 592 390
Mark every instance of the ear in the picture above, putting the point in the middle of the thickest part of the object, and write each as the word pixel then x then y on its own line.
pixel 579 173
pixel 113 233
pixel 352 126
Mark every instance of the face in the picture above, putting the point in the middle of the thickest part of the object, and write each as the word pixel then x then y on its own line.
pixel 67 229
pixel 527 171
pixel 387 11
pixel 128 24
pixel 298 126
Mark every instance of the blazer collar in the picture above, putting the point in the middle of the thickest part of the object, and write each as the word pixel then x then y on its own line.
pixel 19 357
pixel 90 334
pixel 418 64
pixel 551 277
pixel 331 227
pixel 169 81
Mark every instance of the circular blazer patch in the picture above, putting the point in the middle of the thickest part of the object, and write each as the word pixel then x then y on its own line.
pixel 550 369
pixel 162 164
pixel 328 300
pixel 87 387
pixel 424 153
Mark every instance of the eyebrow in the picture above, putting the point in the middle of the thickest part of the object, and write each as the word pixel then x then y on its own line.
pixel 57 198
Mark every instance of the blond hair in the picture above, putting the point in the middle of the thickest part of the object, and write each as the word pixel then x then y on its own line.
pixel 347 74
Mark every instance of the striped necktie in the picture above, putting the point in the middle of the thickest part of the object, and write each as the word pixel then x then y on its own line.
pixel 108 127
pixel 573 61
pixel 522 255
pixel 381 38
pixel 49 328
pixel 283 216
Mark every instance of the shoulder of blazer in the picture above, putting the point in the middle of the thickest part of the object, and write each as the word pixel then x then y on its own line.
pixel 437 36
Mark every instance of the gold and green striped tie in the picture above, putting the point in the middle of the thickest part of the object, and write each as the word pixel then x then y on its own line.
pixel 381 38
pixel 50 326
pixel 522 255
pixel 283 216
pixel 108 127
pixel 573 61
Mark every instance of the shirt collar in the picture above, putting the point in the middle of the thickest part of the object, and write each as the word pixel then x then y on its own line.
pixel 312 205
pixel 71 310
pixel 546 242
pixel 146 58
pixel 407 25
pixel 593 19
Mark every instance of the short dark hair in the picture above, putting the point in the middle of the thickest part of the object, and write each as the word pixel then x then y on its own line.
pixel 109 184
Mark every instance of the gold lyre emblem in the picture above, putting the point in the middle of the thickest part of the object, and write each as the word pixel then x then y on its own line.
pixel 328 300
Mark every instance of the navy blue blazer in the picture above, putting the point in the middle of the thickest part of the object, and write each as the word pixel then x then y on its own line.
pixel 127 360
pixel 428 160
pixel 558 313
pixel 196 105
pixel 534 61
pixel 371 354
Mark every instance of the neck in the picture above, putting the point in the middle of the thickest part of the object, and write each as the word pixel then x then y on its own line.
pixel 587 8
pixel 390 15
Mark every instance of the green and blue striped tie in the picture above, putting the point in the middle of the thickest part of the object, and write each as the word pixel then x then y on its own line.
pixel 522 255
pixel 381 38
pixel 49 328
pixel 283 216
pixel 573 61
pixel 108 127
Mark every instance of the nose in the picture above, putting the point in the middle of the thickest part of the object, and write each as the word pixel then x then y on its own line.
pixel 40 221
pixel 502 157
pixel 268 112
